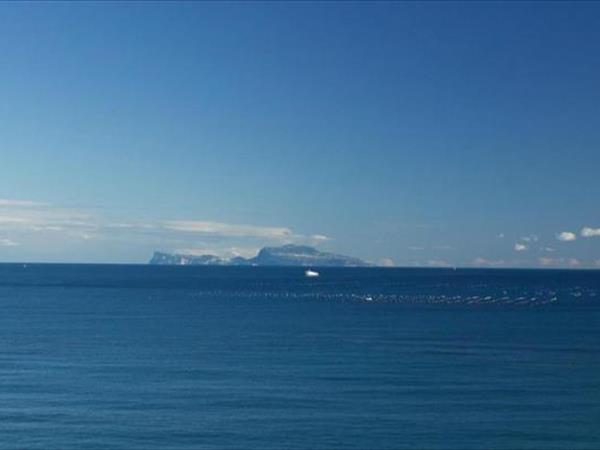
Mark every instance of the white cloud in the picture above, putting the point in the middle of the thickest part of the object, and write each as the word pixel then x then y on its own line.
pixel 47 228
pixel 566 236
pixel 229 230
pixel 12 219
pixel 547 261
pixel 386 262
pixel 488 262
pixel 573 262
pixel 520 247
pixel 121 225
pixel 530 238
pixel 246 252
pixel 53 227
pixel 500 235
pixel 19 203
pixel 547 249
pixel 21 215
pixel 590 232
pixel 415 248
pixel 5 242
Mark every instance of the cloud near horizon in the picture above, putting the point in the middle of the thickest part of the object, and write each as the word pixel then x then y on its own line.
pixel 40 225
pixel 386 262
pixel 44 231
pixel 5 242
pixel 229 229
pixel 319 238
pixel 24 215
pixel 546 261
pixel 20 203
pixel 484 262
pixel 588 232
pixel 566 236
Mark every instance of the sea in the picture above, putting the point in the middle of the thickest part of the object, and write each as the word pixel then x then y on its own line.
pixel 176 357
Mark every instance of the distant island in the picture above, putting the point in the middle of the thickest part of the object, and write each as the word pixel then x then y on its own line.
pixel 286 255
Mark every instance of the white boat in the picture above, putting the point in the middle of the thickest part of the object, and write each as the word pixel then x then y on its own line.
pixel 311 273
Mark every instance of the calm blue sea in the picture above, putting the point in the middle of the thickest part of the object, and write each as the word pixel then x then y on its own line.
pixel 149 357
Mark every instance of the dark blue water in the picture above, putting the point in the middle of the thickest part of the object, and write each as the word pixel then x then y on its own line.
pixel 130 357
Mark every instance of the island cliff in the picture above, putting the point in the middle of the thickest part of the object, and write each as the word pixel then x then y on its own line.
pixel 286 255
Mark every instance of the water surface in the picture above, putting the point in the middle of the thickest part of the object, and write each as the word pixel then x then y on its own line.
pixel 228 358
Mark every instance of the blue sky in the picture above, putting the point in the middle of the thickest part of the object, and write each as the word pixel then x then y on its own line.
pixel 427 133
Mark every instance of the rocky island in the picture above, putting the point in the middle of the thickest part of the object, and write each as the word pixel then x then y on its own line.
pixel 286 255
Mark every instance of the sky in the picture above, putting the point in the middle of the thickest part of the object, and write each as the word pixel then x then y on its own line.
pixel 413 134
